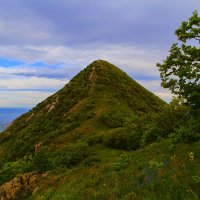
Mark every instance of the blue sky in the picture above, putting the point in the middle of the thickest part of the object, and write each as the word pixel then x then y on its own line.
pixel 45 43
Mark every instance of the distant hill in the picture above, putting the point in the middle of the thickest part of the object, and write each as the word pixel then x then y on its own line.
pixel 100 89
pixel 90 140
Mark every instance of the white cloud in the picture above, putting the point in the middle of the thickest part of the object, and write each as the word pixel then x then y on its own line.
pixel 167 96
pixel 22 99
pixel 136 60
pixel 72 34
pixel 16 70
pixel 154 86
pixel 31 83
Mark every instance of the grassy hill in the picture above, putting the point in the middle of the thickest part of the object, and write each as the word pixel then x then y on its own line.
pixel 103 136
pixel 100 97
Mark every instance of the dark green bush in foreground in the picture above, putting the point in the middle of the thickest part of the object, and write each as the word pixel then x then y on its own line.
pixel 121 162
pixel 123 139
pixel 70 156
pixel 187 133
pixel 44 160
pixel 113 119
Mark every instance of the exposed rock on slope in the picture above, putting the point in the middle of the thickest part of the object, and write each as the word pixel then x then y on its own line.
pixel 24 184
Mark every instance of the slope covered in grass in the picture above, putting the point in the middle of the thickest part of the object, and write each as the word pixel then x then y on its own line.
pixel 102 136
pixel 99 97
pixel 154 172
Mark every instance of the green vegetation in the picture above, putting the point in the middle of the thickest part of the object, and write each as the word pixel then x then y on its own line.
pixel 180 71
pixel 88 98
pixel 103 136
pixel 152 172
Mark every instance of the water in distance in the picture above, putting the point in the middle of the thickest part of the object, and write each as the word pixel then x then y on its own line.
pixel 7 115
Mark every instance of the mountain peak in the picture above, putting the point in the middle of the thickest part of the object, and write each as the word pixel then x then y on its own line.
pixel 100 64
pixel 100 61
pixel 99 89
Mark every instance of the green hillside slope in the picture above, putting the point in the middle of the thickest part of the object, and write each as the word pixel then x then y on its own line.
pixel 99 91
pixel 103 136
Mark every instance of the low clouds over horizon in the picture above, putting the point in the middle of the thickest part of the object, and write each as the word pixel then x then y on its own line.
pixel 45 43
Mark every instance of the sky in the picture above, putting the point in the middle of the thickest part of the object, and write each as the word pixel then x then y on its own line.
pixel 43 44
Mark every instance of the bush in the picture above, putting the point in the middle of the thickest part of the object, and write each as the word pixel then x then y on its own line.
pixel 70 156
pixel 123 139
pixel 116 140
pixel 187 133
pixel 151 135
pixel 121 162
pixel 41 160
pixel 113 119
pixel 96 139
pixel 12 169
pixel 163 123
pixel 69 127
pixel 183 134
pixel 133 140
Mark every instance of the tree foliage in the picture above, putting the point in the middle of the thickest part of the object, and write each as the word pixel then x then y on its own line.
pixel 180 71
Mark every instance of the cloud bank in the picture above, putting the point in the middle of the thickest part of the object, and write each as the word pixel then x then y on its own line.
pixel 45 43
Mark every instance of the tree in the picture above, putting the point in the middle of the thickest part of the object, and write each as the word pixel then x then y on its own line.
pixel 180 71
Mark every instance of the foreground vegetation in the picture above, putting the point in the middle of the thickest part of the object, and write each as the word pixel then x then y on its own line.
pixel 153 172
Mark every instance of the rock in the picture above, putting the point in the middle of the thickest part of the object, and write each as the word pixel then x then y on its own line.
pixel 35 190
pixel 30 117
pixel 19 185
pixel 51 107
pixel 38 146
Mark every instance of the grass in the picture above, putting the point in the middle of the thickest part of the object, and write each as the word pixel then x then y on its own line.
pixel 154 172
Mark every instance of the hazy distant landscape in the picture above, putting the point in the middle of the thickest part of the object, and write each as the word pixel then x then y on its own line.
pixel 7 115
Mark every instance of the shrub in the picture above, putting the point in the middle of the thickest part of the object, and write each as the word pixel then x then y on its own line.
pixel 151 135
pixel 41 160
pixel 183 134
pixel 70 156
pixel 163 123
pixel 113 119
pixel 116 140
pixel 133 140
pixel 12 169
pixel 188 132
pixel 71 126
pixel 121 162
pixel 96 139
pixel 155 165
pixel 123 139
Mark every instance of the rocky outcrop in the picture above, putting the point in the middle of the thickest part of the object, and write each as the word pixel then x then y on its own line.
pixel 19 186
pixel 52 106
pixel 38 146
pixel 30 117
